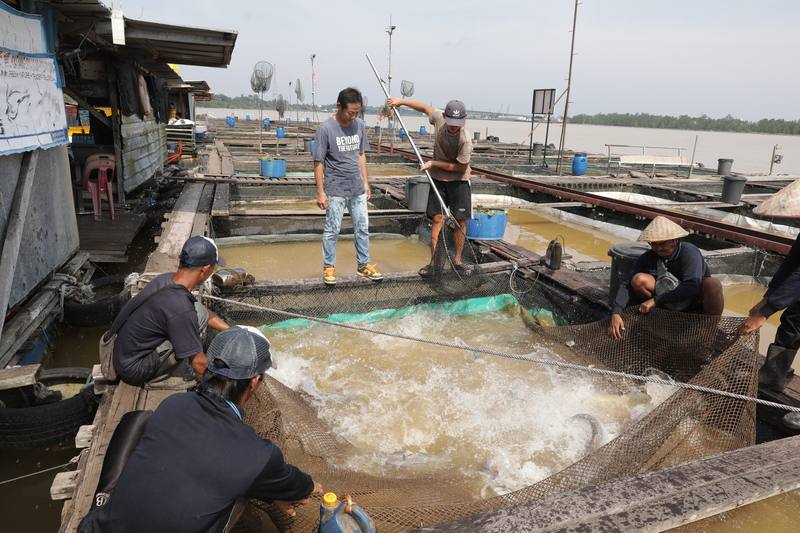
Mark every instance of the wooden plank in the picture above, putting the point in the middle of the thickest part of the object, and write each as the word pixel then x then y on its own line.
pixel 99 115
pixel 201 218
pixel 39 310
pixel 656 501
pixel 114 404
pixel 222 198
pixel 165 258
pixel 16 224
pixel 116 121
pixel 19 376
pixel 64 484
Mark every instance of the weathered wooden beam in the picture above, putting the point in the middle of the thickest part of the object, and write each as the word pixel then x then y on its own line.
pixel 99 115
pixel 16 224
pixel 222 199
pixel 655 501
pixel 41 307
pixel 116 403
pixel 179 228
pixel 19 376
pixel 116 129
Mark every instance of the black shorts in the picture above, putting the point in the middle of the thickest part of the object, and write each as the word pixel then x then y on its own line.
pixel 457 195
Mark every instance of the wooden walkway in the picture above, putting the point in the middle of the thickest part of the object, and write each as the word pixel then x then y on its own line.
pixel 107 241
pixel 188 217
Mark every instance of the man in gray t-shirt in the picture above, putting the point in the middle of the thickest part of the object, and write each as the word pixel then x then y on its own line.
pixel 340 170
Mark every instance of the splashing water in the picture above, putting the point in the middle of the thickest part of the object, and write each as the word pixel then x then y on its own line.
pixel 414 408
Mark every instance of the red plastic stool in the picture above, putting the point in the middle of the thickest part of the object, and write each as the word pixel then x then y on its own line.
pixel 105 165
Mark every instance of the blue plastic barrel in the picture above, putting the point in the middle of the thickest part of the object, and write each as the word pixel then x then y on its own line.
pixel 579 164
pixel 487 226
pixel 247 118
pixel 422 131
pixel 278 168
pixel 266 167
pixel 230 121
pixel 265 123
pixel 281 133
pixel 402 133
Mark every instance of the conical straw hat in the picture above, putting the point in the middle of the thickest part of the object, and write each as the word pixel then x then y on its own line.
pixel 662 229
pixel 783 204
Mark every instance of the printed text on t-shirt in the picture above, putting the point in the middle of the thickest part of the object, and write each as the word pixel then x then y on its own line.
pixel 348 143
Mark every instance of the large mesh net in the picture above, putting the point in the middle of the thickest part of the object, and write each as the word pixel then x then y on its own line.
pixel 687 425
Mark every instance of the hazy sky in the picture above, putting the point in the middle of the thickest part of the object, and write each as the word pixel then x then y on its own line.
pixel 656 56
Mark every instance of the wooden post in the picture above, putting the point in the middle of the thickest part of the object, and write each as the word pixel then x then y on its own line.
pixel 116 130
pixel 16 224
pixel 694 151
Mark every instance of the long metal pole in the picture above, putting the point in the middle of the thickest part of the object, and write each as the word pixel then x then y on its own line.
pixel 445 209
pixel 569 86
pixel 313 101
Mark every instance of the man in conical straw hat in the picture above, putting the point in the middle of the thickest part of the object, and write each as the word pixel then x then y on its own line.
pixel 672 274
pixel 783 293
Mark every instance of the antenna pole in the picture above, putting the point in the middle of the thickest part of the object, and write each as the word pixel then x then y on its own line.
pixel 313 102
pixel 569 86
pixel 390 30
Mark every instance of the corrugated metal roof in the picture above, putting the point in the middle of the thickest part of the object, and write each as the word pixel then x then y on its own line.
pixel 148 42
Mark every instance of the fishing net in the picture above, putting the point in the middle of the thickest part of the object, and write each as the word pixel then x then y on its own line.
pixel 687 425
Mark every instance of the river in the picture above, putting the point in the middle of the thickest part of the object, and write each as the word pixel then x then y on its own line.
pixel 751 152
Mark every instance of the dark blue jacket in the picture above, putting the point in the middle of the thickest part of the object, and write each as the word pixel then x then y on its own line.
pixel 784 289
pixel 686 263
pixel 195 458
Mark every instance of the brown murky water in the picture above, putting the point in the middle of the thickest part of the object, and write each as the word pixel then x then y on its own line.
pixel 384 169
pixel 773 515
pixel 293 260
pixel 534 231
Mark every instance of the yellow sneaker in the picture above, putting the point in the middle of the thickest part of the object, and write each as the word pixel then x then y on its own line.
pixel 369 271
pixel 329 276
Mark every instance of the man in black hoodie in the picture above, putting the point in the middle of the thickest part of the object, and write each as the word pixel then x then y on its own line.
pixel 196 457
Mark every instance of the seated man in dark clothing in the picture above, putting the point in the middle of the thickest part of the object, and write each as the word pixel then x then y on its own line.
pixel 163 326
pixel 196 457
pixel 672 275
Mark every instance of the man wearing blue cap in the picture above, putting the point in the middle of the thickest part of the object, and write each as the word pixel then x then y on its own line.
pixel 196 458
pixel 164 325
pixel 450 171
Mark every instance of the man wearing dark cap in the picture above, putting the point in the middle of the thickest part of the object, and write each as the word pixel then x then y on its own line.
pixel 164 325
pixel 449 169
pixel 196 457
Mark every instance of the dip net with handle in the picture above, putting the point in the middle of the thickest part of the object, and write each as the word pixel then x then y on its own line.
pixel 689 424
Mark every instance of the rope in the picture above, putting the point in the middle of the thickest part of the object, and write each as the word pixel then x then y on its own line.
pixel 71 462
pixel 520 357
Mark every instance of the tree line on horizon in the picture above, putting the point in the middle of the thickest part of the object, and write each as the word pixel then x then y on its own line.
pixel 685 122
pixel 634 120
